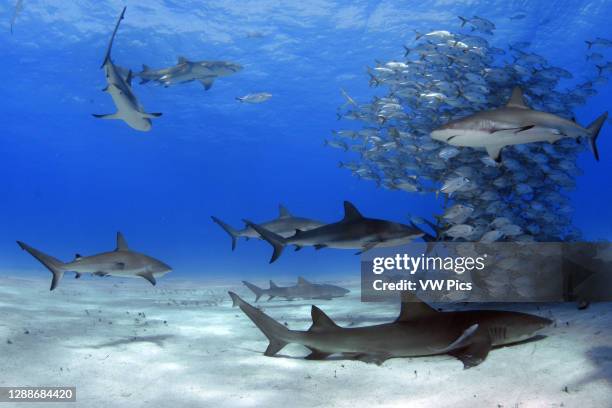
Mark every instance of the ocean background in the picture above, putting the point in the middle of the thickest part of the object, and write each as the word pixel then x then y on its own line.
pixel 69 181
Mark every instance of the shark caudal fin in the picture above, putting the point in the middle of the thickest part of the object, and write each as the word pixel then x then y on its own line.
pixel 107 55
pixel 273 330
pixel 52 264
pixel 277 242
pixel 255 289
pixel 233 233
pixel 594 129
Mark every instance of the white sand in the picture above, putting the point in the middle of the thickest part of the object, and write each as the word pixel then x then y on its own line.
pixel 88 334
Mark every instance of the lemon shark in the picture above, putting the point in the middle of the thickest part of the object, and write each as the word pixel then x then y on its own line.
pixel 303 290
pixel 420 330
pixel 354 231
pixel 121 262
pixel 515 123
pixel 186 71
pixel 119 87
pixel 285 225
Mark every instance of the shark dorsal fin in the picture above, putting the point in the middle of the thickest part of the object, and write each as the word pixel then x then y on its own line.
pixel 320 320
pixel 413 308
pixel 121 242
pixel 182 60
pixel 298 232
pixel 351 213
pixel 302 281
pixel 517 100
pixel 273 285
pixel 283 212
pixel 77 257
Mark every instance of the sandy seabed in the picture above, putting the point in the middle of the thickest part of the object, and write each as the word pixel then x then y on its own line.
pixel 123 343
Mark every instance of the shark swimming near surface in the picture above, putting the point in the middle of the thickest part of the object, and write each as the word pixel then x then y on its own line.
pixel 354 231
pixel 18 9
pixel 285 225
pixel 187 71
pixel 119 87
pixel 514 124
pixel 121 262
pixel 303 290
pixel 420 330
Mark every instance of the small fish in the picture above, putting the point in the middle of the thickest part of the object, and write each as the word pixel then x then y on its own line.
pixel 254 98
pixel 602 42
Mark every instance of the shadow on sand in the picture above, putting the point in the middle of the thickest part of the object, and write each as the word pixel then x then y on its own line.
pixel 601 359
pixel 158 340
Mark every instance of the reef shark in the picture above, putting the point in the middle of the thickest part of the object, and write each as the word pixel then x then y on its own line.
pixel 303 290
pixel 121 262
pixel 420 330
pixel 285 225
pixel 186 71
pixel 119 87
pixel 515 123
pixel 354 231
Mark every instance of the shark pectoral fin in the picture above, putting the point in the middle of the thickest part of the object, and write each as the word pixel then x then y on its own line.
pixel 366 247
pixel 148 276
pixel 207 82
pixel 462 341
pixel 271 297
pixel 494 152
pixel 372 358
pixel 297 248
pixel 320 246
pixel 317 354
pixel 77 275
pixel 106 116
pixel 129 77
pixel 524 128
pixel 474 354
pixel 152 115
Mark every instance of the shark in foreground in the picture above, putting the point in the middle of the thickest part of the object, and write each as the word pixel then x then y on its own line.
pixel 186 71
pixel 303 290
pixel 514 124
pixel 285 225
pixel 420 330
pixel 121 262
pixel 119 87
pixel 354 231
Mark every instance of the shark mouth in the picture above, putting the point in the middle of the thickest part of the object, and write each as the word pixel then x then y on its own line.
pixel 451 138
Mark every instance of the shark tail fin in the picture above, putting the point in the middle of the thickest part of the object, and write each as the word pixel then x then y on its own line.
pixel 594 129
pixel 255 289
pixel 52 264
pixel 107 56
pixel 589 44
pixel 463 20
pixel 233 233
pixel 273 330
pixel 277 242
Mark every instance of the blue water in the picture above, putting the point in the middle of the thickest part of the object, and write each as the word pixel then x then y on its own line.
pixel 69 181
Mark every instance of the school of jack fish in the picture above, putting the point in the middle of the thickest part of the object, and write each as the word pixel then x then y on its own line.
pixel 510 192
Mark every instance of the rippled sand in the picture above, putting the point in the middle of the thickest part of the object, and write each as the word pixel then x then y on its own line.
pixel 123 343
